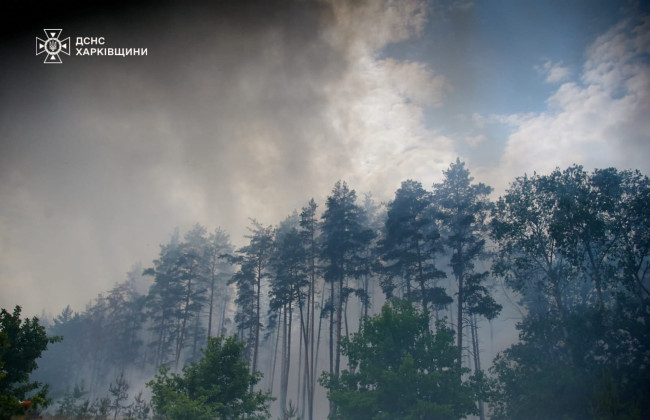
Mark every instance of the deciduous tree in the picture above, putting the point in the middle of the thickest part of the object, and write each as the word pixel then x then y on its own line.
pixel 219 385
pixel 22 341
pixel 399 369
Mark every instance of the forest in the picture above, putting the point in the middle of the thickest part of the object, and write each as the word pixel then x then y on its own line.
pixel 353 309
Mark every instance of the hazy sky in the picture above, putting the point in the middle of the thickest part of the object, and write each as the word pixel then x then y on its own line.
pixel 248 109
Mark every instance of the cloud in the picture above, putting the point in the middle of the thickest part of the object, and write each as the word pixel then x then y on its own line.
pixel 554 72
pixel 377 107
pixel 414 82
pixel 600 121
pixel 461 5
pixel 475 140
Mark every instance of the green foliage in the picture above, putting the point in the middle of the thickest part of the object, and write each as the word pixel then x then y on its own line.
pixel 291 412
pixel 575 246
pixel 21 344
pixel 119 394
pixel 528 257
pixel 139 410
pixel 75 405
pixel 345 240
pixel 182 276
pixel 254 261
pixel 398 369
pixel 590 364
pixel 344 235
pixel 289 266
pixel 410 245
pixel 219 385
pixel 463 208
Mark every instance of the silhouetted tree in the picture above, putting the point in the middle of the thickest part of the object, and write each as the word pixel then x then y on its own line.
pixel 163 301
pixel 409 247
pixel 254 270
pixel 22 341
pixel 564 239
pixel 219 270
pixel 399 369
pixel 118 391
pixel 219 385
pixel 344 237
pixel 309 235
pixel 463 209
pixel 288 283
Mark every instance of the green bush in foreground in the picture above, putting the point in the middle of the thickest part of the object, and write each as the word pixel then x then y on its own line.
pixel 217 386
pixel 21 344
pixel 400 370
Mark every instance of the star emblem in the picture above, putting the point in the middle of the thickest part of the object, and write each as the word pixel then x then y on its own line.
pixel 52 46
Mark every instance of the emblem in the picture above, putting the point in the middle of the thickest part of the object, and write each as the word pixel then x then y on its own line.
pixel 52 46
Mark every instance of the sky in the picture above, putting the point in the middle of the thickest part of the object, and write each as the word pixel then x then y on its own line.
pixel 248 109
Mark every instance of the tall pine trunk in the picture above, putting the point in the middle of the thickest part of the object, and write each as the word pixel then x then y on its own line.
pixel 181 338
pixel 257 316
pixel 284 376
pixel 473 324
pixel 459 338
pixel 212 281
pixel 339 326
pixel 315 359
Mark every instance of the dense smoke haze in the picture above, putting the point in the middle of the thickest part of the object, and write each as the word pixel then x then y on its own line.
pixel 247 110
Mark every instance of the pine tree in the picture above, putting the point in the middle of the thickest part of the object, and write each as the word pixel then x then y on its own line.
pixel 192 275
pixel 163 301
pixel 409 247
pixel 22 341
pixel 219 271
pixel 254 271
pixel 288 284
pixel 344 238
pixel 308 234
pixel 463 209
pixel 119 394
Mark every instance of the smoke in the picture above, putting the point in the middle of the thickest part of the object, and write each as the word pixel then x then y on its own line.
pixel 248 109
pixel 237 111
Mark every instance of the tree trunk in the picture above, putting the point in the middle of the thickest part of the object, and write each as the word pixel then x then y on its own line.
pixel 304 338
pixel 300 371
pixel 181 338
pixel 284 377
pixel 223 317
pixel 312 292
pixel 331 343
pixel 339 328
pixel 197 326
pixel 477 358
pixel 315 358
pixel 212 280
pixel 423 286
pixel 275 356
pixel 459 338
pixel 257 317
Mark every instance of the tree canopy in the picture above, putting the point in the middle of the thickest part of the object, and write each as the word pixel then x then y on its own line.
pixel 574 245
pixel 399 369
pixel 219 385
pixel 21 344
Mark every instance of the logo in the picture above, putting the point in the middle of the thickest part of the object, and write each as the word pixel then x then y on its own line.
pixel 52 46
